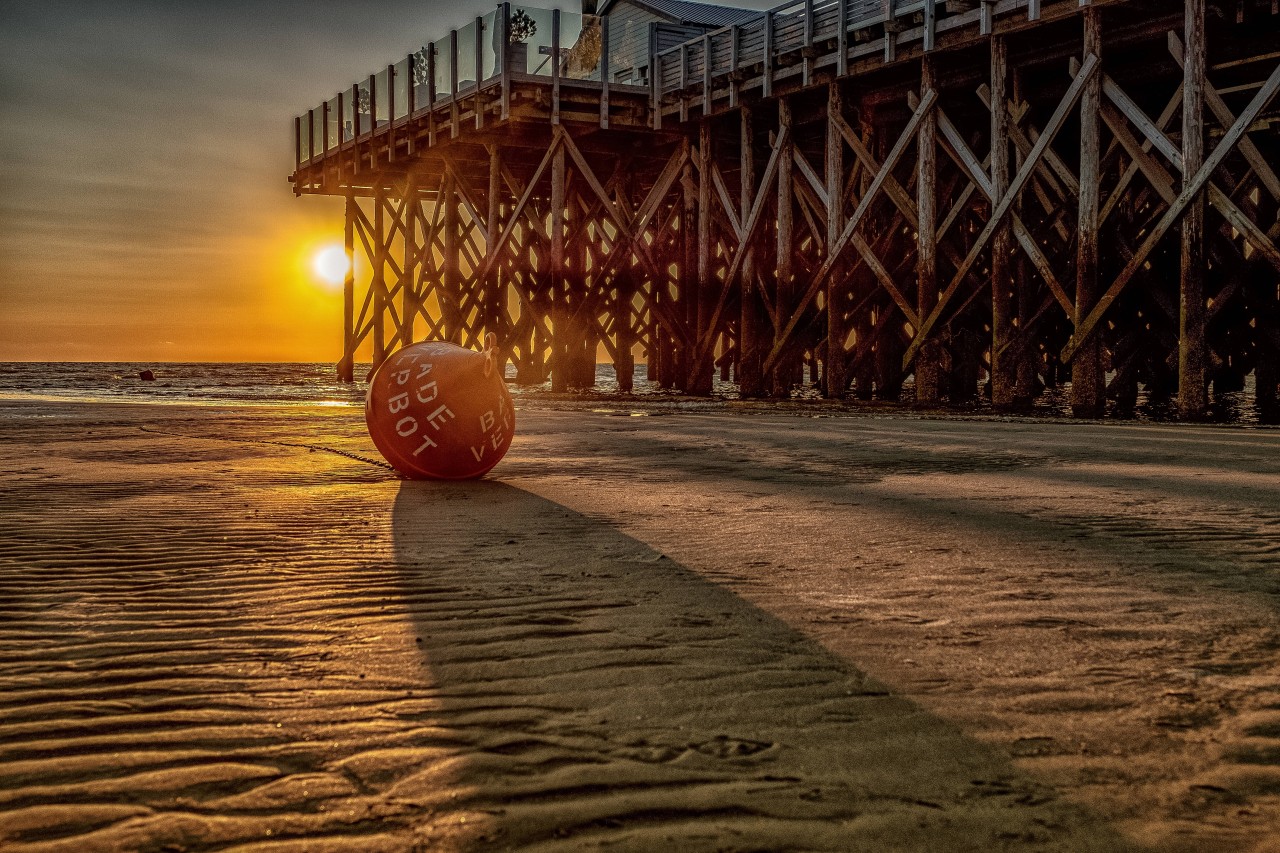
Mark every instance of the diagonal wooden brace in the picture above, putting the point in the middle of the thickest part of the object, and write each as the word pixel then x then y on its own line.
pixel 836 251
pixel 968 163
pixel 748 233
pixel 1162 181
pixel 1191 189
pixel 1222 112
pixel 491 256
pixel 1029 165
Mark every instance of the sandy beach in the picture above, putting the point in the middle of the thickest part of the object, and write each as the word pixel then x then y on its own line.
pixel 669 629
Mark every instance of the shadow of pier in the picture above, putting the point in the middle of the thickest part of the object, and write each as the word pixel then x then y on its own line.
pixel 590 691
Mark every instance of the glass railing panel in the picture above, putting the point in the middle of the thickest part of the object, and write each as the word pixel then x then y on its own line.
pixel 400 87
pixel 317 131
pixel 331 124
pixel 570 30
pixel 382 97
pixel 530 47
pixel 491 44
pixel 303 154
pixel 364 101
pixel 421 78
pixel 444 65
pixel 348 117
pixel 467 57
pixel 580 36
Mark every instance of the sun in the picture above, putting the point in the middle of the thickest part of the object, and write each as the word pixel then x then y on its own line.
pixel 330 265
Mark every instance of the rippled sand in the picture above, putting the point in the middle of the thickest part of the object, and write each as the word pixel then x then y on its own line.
pixel 700 631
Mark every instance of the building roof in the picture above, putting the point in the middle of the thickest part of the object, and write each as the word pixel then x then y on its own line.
pixel 688 12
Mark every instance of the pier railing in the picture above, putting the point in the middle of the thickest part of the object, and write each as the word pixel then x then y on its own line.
pixel 511 43
pixel 525 43
pixel 792 38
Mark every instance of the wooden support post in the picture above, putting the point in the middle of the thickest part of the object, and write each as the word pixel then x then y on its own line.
pixel 453 84
pixel 624 363
pixel 555 67
pixel 784 296
pixel 431 95
pixel 559 310
pixel 355 128
pixel 767 74
pixel 346 367
pixel 735 85
pixel 408 272
pixel 700 369
pixel 683 51
pixel 750 324
pixel 928 364
pixel 476 102
pixel 687 279
pixel 837 380
pixel 865 312
pixel 706 76
pixel 655 93
pixel 1088 382
pixel 342 130
pixel 842 37
pixel 806 67
pixel 391 114
pixel 1266 365
pixel 493 288
pixel 411 95
pixel 1003 373
pixel 324 134
pixel 450 285
pixel 604 73
pixel 1192 347
pixel 891 28
pixel 504 21
pixel 1025 387
pixel 584 342
pixel 379 283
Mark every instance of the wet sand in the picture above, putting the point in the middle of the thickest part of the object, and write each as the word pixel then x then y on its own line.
pixel 707 630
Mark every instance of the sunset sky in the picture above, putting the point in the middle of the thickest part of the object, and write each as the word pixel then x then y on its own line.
pixel 145 145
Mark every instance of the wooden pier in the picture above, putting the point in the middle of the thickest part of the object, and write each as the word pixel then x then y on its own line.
pixel 977 197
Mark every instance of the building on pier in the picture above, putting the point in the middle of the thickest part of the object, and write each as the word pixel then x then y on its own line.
pixel 962 196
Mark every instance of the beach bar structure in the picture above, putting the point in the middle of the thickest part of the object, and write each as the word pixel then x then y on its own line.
pixel 964 196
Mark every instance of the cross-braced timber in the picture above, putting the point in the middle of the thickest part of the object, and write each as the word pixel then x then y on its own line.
pixel 963 197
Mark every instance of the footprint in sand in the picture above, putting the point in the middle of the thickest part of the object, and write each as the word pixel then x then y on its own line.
pixel 723 746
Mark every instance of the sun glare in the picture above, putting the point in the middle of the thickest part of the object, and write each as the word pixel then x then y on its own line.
pixel 331 265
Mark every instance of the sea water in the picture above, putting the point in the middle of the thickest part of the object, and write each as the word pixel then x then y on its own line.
pixel 316 383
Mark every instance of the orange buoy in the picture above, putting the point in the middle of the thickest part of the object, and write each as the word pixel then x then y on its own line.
pixel 439 411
